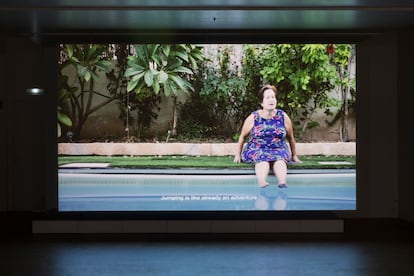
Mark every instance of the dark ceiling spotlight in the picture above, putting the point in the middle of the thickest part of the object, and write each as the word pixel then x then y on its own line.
pixel 35 38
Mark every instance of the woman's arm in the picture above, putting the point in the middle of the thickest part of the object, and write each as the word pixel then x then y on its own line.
pixel 291 138
pixel 246 128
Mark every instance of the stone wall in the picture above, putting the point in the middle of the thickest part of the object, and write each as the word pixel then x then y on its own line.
pixel 213 149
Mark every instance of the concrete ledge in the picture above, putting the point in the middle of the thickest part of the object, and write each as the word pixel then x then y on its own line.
pixel 212 149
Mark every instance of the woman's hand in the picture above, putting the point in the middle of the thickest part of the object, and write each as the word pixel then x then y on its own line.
pixel 237 158
pixel 296 159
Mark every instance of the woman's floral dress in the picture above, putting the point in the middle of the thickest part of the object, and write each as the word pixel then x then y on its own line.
pixel 267 140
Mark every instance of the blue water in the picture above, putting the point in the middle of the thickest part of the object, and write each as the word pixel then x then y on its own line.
pixel 163 192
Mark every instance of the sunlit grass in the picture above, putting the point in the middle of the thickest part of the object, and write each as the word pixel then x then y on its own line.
pixel 184 161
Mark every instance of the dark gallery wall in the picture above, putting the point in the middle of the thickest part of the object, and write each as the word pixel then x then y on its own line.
pixel 405 124
pixel 29 122
pixel 385 141
pixel 28 168
pixel 377 144
pixel 3 129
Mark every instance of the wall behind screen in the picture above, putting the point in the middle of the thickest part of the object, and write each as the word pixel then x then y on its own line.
pixel 31 181
pixel 405 121
pixel 30 123
pixel 377 179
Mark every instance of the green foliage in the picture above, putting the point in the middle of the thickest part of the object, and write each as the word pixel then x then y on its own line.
pixel 143 105
pixel 87 60
pixel 342 59
pixel 304 74
pixel 165 68
pixel 218 95
pixel 251 67
pixel 63 120
pixel 197 118
pixel 162 67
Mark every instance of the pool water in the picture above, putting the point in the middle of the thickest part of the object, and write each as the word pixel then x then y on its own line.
pixel 192 192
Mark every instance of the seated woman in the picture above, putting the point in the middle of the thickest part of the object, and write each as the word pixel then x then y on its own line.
pixel 269 129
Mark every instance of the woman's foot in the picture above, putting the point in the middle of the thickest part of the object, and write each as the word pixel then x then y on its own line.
pixel 282 185
pixel 264 185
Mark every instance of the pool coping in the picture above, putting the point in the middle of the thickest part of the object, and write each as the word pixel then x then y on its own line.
pixel 194 171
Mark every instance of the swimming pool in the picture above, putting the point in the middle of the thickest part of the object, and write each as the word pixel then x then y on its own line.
pixel 81 190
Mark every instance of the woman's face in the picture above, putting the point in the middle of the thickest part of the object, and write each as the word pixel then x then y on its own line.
pixel 269 99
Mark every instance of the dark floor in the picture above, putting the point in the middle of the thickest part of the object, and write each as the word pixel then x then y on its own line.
pixel 367 247
pixel 121 255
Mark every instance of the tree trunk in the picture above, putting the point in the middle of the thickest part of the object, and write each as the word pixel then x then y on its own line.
pixel 345 134
pixel 175 115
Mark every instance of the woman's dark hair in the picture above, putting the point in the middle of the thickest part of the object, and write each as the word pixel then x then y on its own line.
pixel 263 89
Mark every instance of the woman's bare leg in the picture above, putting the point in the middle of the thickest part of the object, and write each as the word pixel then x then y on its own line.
pixel 262 171
pixel 280 170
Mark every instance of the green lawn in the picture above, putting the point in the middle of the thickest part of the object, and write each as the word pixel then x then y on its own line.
pixel 309 162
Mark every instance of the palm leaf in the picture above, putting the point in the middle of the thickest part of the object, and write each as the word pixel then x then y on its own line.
pixel 183 69
pixel 149 78
pixel 131 85
pixel 163 76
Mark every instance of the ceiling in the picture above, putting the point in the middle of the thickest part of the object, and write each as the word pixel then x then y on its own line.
pixel 206 19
